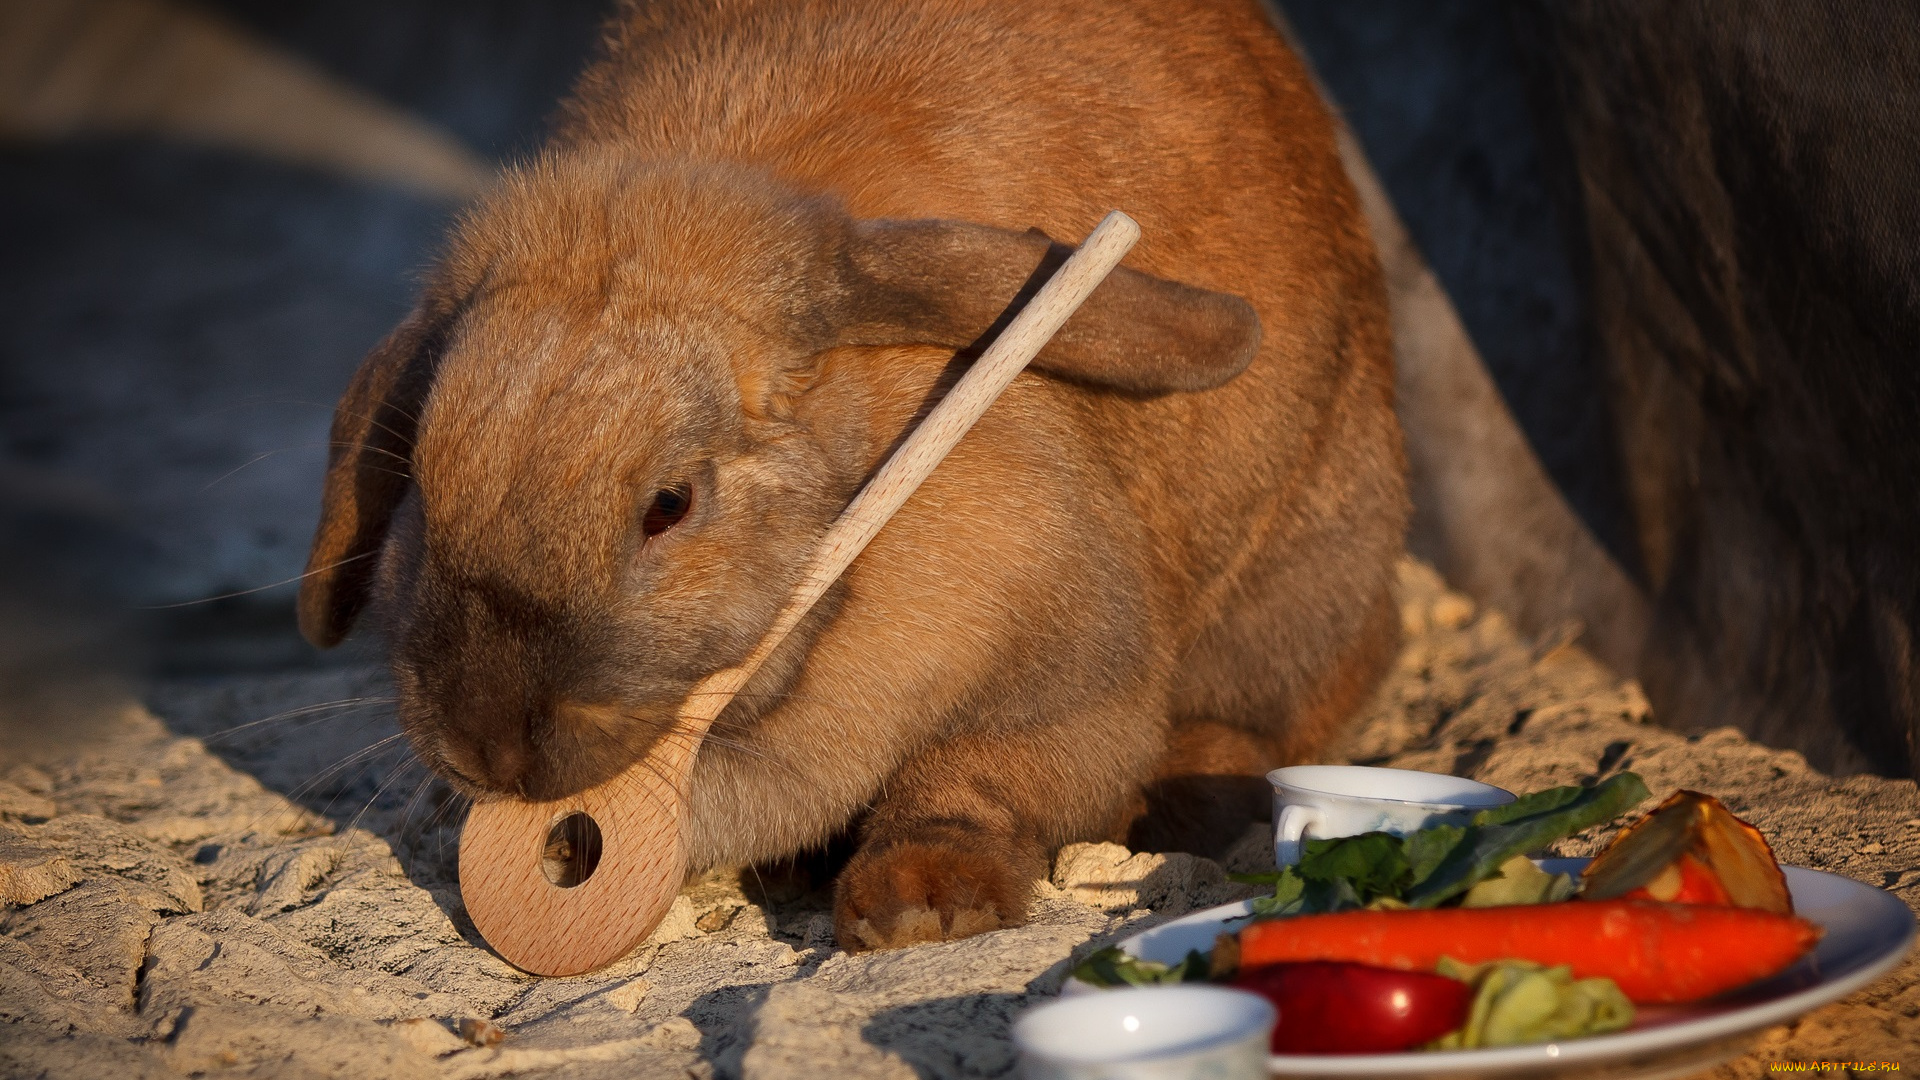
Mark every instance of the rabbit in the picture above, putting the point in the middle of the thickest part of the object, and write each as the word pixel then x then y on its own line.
pixel 655 362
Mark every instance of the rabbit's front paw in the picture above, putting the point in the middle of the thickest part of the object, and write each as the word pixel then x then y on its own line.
pixel 910 893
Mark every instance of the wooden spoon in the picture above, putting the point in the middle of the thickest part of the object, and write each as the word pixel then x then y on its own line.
pixel 567 915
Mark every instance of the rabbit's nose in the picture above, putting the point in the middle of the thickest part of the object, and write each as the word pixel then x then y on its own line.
pixel 503 760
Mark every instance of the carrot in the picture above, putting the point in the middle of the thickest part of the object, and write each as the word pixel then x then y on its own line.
pixel 1655 952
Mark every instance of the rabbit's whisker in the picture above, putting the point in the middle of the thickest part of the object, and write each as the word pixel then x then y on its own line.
pixel 264 455
pixel 313 783
pixel 366 767
pixel 680 736
pixel 263 588
pixel 342 707
pixel 408 763
pixel 304 788
pixel 406 809
pixel 401 458
pixel 396 406
pixel 453 801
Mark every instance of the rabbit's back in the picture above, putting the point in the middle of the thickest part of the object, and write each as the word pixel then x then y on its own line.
pixel 1194 118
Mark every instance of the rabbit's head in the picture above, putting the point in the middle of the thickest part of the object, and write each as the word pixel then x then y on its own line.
pixel 589 468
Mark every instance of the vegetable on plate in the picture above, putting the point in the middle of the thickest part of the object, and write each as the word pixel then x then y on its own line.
pixel 1690 850
pixel 1340 1008
pixel 1516 1002
pixel 1452 937
pixel 1654 952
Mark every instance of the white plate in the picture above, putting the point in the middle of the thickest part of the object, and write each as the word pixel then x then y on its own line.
pixel 1867 933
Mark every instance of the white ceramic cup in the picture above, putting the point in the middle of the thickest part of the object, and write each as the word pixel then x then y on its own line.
pixel 1151 1033
pixel 1318 802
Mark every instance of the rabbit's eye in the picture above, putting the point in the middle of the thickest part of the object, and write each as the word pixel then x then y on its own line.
pixel 668 507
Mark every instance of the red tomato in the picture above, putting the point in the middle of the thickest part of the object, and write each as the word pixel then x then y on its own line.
pixel 1330 1007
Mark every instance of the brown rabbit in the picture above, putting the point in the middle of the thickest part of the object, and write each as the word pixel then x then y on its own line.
pixel 656 363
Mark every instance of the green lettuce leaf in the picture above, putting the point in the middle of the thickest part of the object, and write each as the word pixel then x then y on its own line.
pixel 1498 835
pixel 1428 848
pixel 1374 864
pixel 1526 806
pixel 1294 894
pixel 1111 967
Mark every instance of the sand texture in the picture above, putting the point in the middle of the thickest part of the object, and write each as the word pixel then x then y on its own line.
pixel 188 896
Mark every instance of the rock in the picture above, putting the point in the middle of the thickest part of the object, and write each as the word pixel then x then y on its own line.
pixel 31 872
pixel 230 960
pixel 620 1059
pixel 477 1032
pixel 39 992
pixel 430 1037
pixel 676 1033
pixel 27 778
pixel 932 1010
pixel 715 920
pixel 265 1042
pixel 287 876
pixel 29 1050
pixel 1452 611
pixel 18 803
pixel 94 934
pixel 101 847
pixel 1110 877
pixel 225 957
pixel 681 921
pixel 628 995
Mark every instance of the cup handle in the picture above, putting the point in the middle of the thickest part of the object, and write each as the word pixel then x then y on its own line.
pixel 1288 828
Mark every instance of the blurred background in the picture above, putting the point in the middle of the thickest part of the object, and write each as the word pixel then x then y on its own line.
pixel 210 209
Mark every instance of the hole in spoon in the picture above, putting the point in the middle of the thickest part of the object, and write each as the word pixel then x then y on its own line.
pixel 573 850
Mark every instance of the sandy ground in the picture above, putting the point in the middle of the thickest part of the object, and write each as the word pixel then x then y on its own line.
pixel 206 891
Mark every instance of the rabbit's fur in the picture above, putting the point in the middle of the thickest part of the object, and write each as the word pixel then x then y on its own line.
pixel 1157 567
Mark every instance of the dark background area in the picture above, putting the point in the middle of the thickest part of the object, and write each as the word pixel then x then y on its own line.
pixel 1441 99
pixel 180 320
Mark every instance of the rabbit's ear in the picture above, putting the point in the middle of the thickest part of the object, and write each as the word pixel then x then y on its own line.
pixel 954 284
pixel 369 467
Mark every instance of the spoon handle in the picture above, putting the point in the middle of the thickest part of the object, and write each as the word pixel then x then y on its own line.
pixel 901 475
